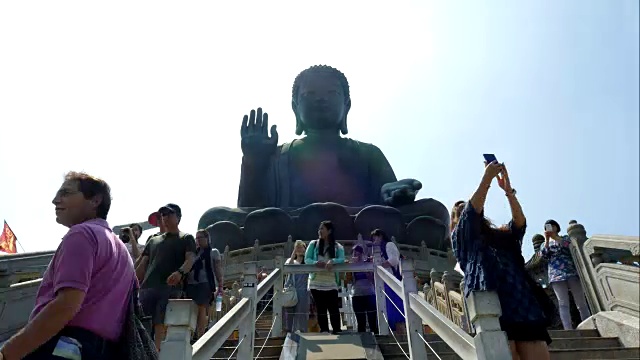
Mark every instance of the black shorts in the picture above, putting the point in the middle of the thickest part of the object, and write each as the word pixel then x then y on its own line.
pixel 526 331
pixel 154 301
pixel 201 293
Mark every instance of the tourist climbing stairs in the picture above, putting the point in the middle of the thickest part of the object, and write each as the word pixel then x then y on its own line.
pixel 566 345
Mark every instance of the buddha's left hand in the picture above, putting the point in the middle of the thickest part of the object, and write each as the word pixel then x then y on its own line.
pixel 401 192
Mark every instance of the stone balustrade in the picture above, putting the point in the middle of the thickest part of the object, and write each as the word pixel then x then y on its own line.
pixel 606 265
pixel 609 276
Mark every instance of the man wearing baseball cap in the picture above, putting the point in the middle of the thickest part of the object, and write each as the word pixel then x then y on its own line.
pixel 165 261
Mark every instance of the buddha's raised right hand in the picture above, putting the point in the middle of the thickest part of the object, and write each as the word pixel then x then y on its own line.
pixel 256 142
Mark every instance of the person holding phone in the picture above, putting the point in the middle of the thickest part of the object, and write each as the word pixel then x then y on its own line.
pixel 491 258
pixel 562 273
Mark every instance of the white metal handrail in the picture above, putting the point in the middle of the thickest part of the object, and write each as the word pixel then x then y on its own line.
pixel 267 283
pixel 449 332
pixel 213 339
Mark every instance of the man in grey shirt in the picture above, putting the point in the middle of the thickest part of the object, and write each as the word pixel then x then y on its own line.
pixel 205 279
pixel 364 295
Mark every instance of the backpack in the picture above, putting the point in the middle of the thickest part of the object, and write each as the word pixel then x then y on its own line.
pixel 135 342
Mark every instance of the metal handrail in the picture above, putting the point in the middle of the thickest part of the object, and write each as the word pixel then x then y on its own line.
pixel 459 341
pixel 213 339
pixel 267 283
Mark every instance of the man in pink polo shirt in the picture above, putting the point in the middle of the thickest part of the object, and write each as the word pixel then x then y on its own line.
pixel 84 296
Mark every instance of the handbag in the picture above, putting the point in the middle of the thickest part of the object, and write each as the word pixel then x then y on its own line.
pixel 289 295
pixel 135 342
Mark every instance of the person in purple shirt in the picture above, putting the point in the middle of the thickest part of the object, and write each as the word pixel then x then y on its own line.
pixel 84 296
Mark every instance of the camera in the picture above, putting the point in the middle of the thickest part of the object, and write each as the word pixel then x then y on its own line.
pixel 125 235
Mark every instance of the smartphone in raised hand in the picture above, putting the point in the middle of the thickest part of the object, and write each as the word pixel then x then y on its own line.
pixel 548 227
pixel 489 158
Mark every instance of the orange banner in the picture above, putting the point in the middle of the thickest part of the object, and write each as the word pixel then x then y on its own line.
pixel 8 240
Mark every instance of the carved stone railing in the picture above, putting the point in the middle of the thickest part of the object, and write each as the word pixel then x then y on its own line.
pixel 424 258
pixel 609 284
pixel 606 265
pixel 15 268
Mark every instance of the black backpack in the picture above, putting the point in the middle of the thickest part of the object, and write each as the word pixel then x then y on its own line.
pixel 135 342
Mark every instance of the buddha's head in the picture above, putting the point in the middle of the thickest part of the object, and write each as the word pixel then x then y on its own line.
pixel 320 99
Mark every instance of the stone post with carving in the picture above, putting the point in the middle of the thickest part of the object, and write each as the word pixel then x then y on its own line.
pixel 277 311
pixel 180 318
pixel 247 329
pixel 288 248
pixel 484 312
pixel 584 265
pixel 256 250
pixel 381 300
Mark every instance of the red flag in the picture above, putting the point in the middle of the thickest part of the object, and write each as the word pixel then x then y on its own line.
pixel 8 240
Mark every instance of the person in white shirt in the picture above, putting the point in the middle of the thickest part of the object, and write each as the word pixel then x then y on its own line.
pixel 391 261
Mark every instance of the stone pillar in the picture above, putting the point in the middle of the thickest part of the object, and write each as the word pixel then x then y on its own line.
pixel 451 282
pixel 381 300
pixel 278 316
pixel 288 248
pixel 584 265
pixel 466 325
pixel 225 258
pixel 484 312
pixel 180 319
pixel 417 348
pixel 256 250
pixel 247 328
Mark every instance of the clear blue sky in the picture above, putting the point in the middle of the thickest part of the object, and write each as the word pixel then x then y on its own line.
pixel 150 96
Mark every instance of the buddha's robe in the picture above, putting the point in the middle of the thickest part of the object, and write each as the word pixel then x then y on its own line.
pixel 348 172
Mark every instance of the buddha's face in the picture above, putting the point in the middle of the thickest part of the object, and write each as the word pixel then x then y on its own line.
pixel 321 102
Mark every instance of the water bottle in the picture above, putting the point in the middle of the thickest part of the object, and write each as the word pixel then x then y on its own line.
pixel 219 302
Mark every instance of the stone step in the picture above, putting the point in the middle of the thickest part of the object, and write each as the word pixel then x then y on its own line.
pixel 584 343
pixel 392 346
pixel 401 356
pixel 258 358
pixel 389 348
pixel 273 341
pixel 587 354
pixel 555 334
pixel 564 334
pixel 225 352
pixel 562 348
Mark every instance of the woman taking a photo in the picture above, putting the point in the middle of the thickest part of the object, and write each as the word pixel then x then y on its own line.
pixel 297 317
pixel 491 258
pixel 562 273
pixel 323 253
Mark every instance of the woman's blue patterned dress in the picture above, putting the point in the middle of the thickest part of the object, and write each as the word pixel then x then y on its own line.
pixel 495 263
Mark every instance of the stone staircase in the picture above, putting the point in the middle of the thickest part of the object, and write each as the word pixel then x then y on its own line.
pixel 271 350
pixel 566 345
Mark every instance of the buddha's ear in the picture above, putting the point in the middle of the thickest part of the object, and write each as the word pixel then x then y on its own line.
pixel 343 126
pixel 299 127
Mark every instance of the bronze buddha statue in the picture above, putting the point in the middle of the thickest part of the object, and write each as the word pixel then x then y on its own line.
pixel 322 166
